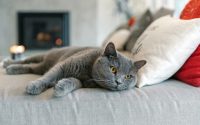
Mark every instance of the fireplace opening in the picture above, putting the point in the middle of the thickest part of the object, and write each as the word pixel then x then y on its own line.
pixel 43 30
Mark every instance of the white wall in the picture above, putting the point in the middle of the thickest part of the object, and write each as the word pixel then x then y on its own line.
pixel 82 22
pixel 91 20
pixel 108 19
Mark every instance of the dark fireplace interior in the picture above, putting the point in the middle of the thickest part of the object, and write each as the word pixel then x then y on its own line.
pixel 43 30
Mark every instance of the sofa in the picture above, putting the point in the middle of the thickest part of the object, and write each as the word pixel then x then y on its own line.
pixel 169 103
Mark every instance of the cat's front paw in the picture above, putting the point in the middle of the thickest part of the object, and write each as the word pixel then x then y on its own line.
pixel 14 69
pixel 62 88
pixel 35 88
pixel 7 62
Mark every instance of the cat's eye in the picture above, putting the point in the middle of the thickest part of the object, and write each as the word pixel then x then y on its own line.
pixel 128 76
pixel 113 69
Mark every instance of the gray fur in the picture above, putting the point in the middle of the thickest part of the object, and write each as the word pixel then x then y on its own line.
pixel 65 86
pixel 71 68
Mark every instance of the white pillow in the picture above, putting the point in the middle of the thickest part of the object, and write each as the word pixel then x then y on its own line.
pixel 119 38
pixel 166 44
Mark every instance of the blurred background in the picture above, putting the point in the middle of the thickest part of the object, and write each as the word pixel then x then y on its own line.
pixel 42 24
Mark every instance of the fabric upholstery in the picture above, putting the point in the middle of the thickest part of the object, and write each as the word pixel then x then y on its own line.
pixel 169 103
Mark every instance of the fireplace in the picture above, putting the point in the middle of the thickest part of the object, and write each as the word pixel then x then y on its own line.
pixel 43 30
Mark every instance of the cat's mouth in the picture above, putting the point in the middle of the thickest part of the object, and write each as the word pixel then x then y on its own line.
pixel 113 85
pixel 118 86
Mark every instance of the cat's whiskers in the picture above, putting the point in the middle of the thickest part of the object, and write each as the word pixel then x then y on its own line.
pixel 104 82
pixel 101 80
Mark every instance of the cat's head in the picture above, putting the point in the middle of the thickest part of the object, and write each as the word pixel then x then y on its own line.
pixel 114 71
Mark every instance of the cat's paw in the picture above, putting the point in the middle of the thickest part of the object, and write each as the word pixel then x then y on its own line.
pixel 35 88
pixel 14 69
pixel 7 62
pixel 63 87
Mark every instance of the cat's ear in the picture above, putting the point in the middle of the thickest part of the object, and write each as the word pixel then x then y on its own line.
pixel 139 64
pixel 110 50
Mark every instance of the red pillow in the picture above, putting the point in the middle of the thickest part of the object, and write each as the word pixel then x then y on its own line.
pixel 191 10
pixel 190 71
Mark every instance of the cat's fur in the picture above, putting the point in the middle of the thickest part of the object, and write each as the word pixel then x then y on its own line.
pixel 70 68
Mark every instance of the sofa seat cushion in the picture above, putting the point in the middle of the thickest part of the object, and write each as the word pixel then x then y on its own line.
pixel 168 103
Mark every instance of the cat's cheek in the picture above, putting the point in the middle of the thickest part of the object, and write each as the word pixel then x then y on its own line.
pixel 131 86
pixel 133 83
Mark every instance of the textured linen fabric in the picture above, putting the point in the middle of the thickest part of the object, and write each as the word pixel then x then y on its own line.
pixel 169 103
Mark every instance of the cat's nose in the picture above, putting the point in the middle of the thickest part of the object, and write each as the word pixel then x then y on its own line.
pixel 118 83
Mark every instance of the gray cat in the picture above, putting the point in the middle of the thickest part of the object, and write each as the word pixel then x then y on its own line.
pixel 70 68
